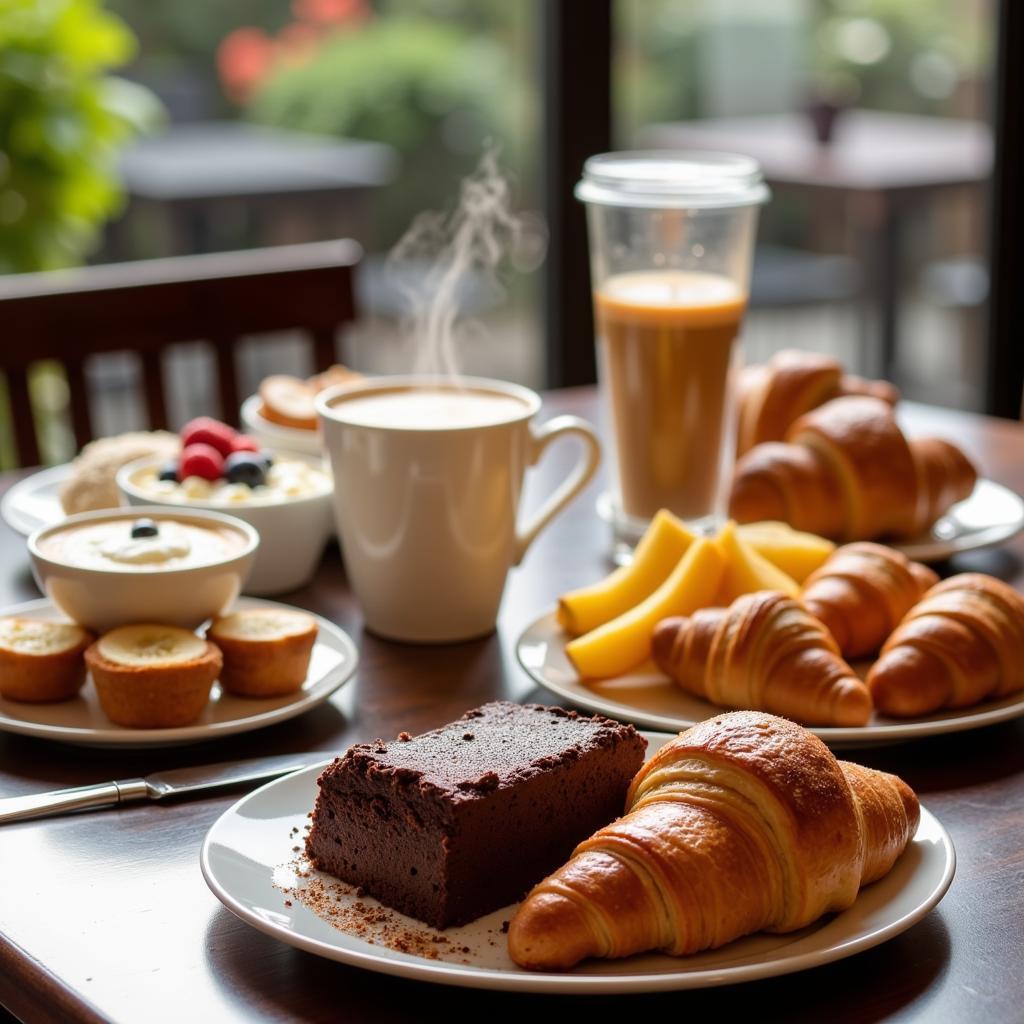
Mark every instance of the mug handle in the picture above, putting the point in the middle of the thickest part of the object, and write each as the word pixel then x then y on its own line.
pixel 542 436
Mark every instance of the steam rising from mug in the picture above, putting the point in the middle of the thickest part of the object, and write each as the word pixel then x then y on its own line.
pixel 460 249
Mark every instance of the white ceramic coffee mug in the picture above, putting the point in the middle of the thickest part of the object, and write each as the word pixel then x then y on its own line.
pixel 428 476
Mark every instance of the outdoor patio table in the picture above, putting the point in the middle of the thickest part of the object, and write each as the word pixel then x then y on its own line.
pixel 882 164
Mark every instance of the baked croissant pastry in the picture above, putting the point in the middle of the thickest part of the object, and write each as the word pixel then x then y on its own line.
pixel 744 823
pixel 963 643
pixel 847 472
pixel 772 395
pixel 861 593
pixel 764 651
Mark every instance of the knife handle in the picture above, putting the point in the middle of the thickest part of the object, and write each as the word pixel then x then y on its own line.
pixel 103 794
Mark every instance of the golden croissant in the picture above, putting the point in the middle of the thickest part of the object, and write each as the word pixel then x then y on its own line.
pixel 961 644
pixel 861 593
pixel 846 471
pixel 744 823
pixel 764 651
pixel 772 395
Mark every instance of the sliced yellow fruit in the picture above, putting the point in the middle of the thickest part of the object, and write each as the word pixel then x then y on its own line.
pixel 624 643
pixel 795 552
pixel 658 553
pixel 746 571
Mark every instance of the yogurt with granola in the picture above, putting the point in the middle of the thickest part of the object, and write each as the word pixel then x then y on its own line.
pixel 285 480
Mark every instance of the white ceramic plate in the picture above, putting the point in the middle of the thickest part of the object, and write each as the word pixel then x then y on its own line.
pixel 648 699
pixel 35 501
pixel 81 721
pixel 991 515
pixel 247 858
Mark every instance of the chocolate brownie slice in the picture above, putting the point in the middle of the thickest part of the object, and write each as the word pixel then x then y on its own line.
pixel 454 823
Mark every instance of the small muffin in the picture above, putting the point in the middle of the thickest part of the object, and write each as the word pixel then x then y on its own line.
pixel 153 677
pixel 41 661
pixel 266 650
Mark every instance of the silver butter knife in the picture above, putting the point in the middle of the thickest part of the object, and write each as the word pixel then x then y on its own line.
pixel 176 782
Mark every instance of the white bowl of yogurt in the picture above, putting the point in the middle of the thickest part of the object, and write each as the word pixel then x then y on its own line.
pixel 117 566
pixel 292 512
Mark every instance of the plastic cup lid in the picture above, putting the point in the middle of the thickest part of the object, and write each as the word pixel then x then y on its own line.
pixel 672 179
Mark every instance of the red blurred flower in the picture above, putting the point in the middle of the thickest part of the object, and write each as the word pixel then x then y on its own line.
pixel 243 59
pixel 329 12
pixel 296 42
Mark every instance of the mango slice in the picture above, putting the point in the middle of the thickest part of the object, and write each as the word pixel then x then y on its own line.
pixel 796 553
pixel 658 553
pixel 747 571
pixel 625 642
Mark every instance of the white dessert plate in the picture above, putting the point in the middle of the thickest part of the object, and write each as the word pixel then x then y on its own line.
pixel 274 435
pixel 81 721
pixel 992 515
pixel 648 699
pixel 248 860
pixel 35 501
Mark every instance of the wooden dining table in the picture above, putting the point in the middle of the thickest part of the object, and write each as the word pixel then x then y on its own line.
pixel 104 916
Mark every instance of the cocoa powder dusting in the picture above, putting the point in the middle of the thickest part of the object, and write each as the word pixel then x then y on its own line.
pixel 342 906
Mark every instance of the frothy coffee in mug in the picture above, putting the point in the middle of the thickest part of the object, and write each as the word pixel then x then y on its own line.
pixel 428 481
pixel 431 409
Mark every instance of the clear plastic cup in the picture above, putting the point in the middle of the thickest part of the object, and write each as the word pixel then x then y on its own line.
pixel 671 240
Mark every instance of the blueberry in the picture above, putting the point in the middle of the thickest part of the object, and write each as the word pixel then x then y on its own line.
pixel 144 528
pixel 169 471
pixel 245 468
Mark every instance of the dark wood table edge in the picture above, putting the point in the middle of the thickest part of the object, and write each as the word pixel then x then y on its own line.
pixel 33 994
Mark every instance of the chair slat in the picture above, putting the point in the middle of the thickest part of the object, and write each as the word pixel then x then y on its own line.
pixel 153 388
pixel 227 379
pixel 25 441
pixel 78 400
pixel 146 306
pixel 323 348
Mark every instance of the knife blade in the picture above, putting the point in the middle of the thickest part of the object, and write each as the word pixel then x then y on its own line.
pixel 158 786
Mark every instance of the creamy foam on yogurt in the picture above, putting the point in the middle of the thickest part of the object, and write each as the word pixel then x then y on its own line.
pixel 110 545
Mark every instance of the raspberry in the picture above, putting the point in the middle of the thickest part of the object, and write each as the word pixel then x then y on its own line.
pixel 206 430
pixel 201 460
pixel 244 443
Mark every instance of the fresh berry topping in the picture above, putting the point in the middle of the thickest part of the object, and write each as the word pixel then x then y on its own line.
pixel 144 528
pixel 169 471
pixel 245 468
pixel 206 430
pixel 202 460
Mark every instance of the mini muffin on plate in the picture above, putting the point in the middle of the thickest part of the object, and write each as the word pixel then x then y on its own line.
pixel 266 650
pixel 150 676
pixel 41 661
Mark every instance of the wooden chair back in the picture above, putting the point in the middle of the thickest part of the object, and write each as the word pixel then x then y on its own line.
pixel 146 306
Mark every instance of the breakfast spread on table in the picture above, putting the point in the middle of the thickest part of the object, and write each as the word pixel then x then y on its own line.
pixel 792 611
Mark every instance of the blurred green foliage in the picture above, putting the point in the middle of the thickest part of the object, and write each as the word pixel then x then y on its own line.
pixel 62 120
pixel 429 88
